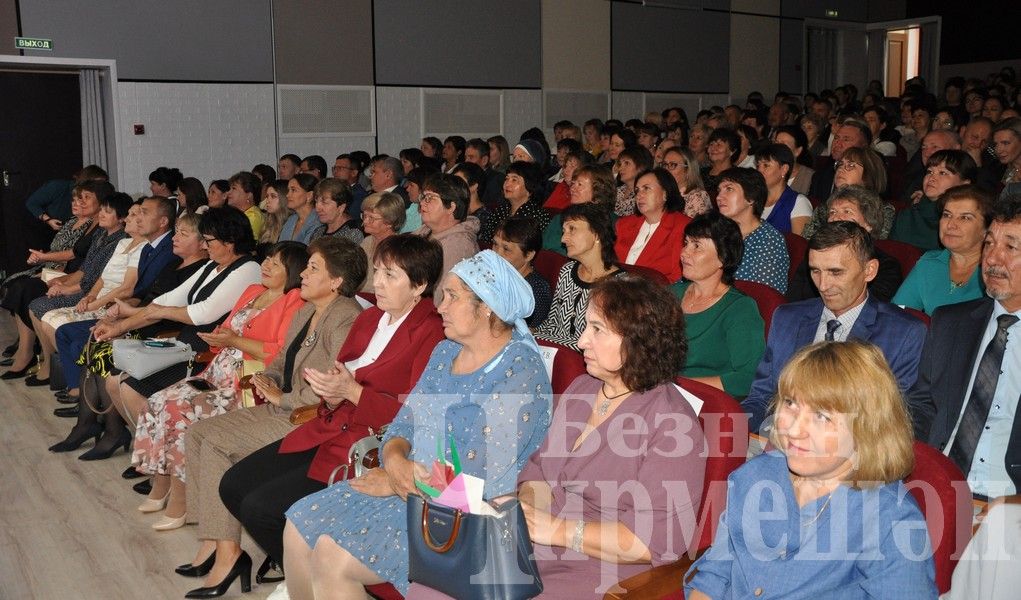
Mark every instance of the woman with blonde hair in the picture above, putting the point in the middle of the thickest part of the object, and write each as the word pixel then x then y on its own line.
pixel 274 200
pixel 682 164
pixel 825 514
pixel 382 216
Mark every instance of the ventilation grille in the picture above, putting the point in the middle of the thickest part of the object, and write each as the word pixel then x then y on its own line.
pixel 462 112
pixel 322 110
pixel 576 107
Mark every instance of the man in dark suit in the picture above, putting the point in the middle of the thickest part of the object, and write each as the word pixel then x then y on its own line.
pixel 842 262
pixel 969 378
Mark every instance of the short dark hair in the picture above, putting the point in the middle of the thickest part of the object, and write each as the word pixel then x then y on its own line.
pixel 861 126
pixel 344 259
pixel 452 191
pixel 958 162
pixel 571 144
pixel 563 124
pixel 165 207
pixel 249 183
pixel 459 145
pixel 626 135
pixel 674 200
pixel 838 233
pixel 473 174
pixel 293 158
pixel 91 172
pixel 651 324
pixel 169 177
pixel 753 185
pixel 523 231
pixel 336 189
pixel 480 145
pixel 420 258
pixel 419 175
pixel 778 153
pixel 800 141
pixel 306 181
pixel 725 235
pixel 1007 209
pixel 221 184
pixel 986 202
pixel 101 188
pixel 600 220
pixel 264 172
pixel 119 202
pixel 639 155
pixel 317 163
pixel 529 172
pixel 434 143
pixel 730 137
pixel 355 160
pixel 230 226
pixel 412 155
pixel 294 256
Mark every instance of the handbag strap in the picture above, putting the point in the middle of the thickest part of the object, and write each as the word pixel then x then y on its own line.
pixel 427 536
pixel 89 373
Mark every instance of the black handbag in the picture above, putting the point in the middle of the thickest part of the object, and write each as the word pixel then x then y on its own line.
pixel 471 557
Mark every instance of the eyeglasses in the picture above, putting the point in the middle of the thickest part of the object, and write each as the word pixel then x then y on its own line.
pixel 208 240
pixel 673 166
pixel 430 197
pixel 847 165
pixel 367 217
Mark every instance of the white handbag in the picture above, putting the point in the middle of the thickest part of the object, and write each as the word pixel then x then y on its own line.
pixel 141 358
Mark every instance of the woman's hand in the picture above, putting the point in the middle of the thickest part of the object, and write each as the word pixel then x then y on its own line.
pixel 543 527
pixel 55 224
pixel 373 483
pixel 402 474
pixel 916 197
pixel 221 337
pixel 35 257
pixel 267 388
pixel 122 310
pixel 83 304
pixel 58 290
pixel 335 385
pixel 106 331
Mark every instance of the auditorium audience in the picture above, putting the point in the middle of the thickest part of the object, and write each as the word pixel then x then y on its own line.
pixel 245 191
pixel 859 167
pixel 785 209
pixel 522 188
pixel 591 183
pixel 800 178
pixel 331 199
pixel 630 162
pixel 741 197
pixel 301 201
pixel 445 219
pixel 722 149
pixel 687 173
pixel 517 240
pixel 275 210
pixel 918 225
pixel 382 216
pixel 653 238
pixel 1007 145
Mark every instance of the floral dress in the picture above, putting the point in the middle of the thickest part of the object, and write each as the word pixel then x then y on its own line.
pixel 498 416
pixel 159 436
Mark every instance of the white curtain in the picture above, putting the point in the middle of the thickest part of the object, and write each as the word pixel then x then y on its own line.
pixel 93 121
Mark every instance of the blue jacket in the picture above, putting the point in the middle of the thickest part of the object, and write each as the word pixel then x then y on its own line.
pixel 154 263
pixel 899 335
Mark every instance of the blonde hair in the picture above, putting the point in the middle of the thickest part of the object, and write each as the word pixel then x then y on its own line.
pixel 854 379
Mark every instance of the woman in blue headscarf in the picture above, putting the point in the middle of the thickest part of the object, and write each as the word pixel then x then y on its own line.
pixel 485 385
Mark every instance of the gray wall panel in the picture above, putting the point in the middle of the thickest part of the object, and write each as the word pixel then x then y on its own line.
pixel 200 40
pixel 792 46
pixel 323 42
pixel 463 43
pixel 664 35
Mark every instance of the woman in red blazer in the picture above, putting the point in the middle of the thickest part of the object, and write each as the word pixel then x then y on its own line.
pixel 385 352
pixel 654 237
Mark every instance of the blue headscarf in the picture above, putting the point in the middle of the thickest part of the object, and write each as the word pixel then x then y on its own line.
pixel 497 283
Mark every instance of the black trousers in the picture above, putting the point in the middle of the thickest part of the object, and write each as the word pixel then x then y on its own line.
pixel 261 487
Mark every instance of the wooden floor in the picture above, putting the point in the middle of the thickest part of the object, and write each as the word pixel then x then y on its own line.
pixel 70 529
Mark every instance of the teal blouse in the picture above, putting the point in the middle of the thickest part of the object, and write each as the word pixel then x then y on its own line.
pixel 928 285
pixel 726 340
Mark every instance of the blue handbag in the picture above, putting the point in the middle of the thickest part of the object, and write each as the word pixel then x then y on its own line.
pixel 471 557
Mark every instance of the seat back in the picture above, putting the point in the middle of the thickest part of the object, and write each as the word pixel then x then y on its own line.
pixel 725 426
pixel 918 314
pixel 651 274
pixel 765 297
pixel 797 249
pixel 566 365
pixel 906 254
pixel 942 493
pixel 548 264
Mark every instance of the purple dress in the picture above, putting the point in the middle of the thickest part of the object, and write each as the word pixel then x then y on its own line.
pixel 651 446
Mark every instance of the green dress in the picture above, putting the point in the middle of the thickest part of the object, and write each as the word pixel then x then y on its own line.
pixel 918 225
pixel 727 340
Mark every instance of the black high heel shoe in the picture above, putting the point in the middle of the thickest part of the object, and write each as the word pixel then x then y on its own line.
pixel 73 442
pixel 200 570
pixel 268 565
pixel 123 440
pixel 12 374
pixel 242 568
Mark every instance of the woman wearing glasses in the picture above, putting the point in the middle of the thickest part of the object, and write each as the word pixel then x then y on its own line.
pixel 681 163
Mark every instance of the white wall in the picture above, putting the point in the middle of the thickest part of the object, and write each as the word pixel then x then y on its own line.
pixel 207 130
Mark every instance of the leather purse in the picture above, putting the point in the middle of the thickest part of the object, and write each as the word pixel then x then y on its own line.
pixel 141 358
pixel 469 556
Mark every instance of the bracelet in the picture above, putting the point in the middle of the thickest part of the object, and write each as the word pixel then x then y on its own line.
pixel 578 539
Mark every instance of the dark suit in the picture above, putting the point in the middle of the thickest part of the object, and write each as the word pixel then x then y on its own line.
pixel 944 371
pixel 155 261
pixel 822 183
pixel 896 333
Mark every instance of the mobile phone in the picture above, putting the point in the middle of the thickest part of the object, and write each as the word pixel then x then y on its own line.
pixel 201 385
pixel 158 344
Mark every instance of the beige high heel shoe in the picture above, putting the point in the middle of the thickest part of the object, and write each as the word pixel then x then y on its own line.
pixel 170 523
pixel 151 505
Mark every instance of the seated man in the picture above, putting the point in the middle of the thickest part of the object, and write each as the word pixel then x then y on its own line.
pixel 965 400
pixel 841 260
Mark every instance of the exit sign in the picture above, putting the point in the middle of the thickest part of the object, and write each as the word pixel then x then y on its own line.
pixel 23 43
pixel 832 13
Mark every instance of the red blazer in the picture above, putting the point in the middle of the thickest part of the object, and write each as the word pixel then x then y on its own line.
pixel 663 252
pixel 393 375
pixel 559 198
pixel 270 326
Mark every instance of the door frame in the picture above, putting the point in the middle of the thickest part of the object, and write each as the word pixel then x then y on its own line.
pixel 108 76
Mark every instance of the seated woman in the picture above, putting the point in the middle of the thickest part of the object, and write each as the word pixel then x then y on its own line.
pixel 332 199
pixel 1007 145
pixel 722 149
pixel 382 216
pixel 919 224
pixel 521 190
pixel 560 197
pixel 414 184
pixel 301 201
pixel 517 240
pixel 631 162
pixel 67 251
pixel 654 237
pixel 274 203
pixel 475 177
pixel 444 207
pixel 741 197
pixel 489 365
pixel 68 291
pixel 681 163
pixel 589 238
pixel 591 183
pixel 953 274
pixel 861 167
pixel 315 335
pixel 725 333
pixel 863 206
pixel 633 342
pixel 254 331
pixel 842 443
pixel 785 209
pixel 800 177
pixel 191 256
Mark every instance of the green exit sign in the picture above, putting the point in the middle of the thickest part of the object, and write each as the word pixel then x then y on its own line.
pixel 24 43
pixel 832 13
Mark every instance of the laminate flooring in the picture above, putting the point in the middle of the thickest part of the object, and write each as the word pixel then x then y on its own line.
pixel 70 529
